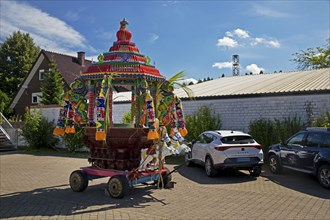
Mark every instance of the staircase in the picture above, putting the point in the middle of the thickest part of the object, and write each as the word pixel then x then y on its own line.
pixel 8 135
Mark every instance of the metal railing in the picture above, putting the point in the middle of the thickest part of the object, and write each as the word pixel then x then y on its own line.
pixel 10 132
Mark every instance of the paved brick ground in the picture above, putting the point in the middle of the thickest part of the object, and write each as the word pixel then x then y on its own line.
pixel 36 187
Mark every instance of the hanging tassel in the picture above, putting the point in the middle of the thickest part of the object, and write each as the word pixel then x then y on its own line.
pixel 152 135
pixel 58 131
pixel 183 131
pixel 100 135
pixel 70 130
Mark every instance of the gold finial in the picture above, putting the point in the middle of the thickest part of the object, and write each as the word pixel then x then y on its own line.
pixel 123 24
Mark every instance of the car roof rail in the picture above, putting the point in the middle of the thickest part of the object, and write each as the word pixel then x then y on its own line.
pixel 317 129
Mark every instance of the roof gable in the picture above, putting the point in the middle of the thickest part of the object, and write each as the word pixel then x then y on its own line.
pixel 67 65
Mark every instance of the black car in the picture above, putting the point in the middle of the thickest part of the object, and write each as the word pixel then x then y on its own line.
pixel 307 151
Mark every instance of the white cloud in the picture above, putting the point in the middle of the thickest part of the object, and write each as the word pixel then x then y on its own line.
pixel 239 33
pixel 49 32
pixel 221 65
pixel 240 37
pixel 169 3
pixel 227 42
pixel 153 37
pixel 268 43
pixel 254 68
pixel 264 11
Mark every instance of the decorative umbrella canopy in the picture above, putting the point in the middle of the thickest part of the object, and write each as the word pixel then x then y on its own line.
pixel 123 62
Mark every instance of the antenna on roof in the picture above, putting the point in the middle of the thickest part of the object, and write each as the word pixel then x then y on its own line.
pixel 235 65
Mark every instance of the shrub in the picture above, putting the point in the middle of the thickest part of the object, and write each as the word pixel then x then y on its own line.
pixel 76 140
pixel 267 132
pixel 127 118
pixel 37 131
pixel 323 120
pixel 262 130
pixel 201 120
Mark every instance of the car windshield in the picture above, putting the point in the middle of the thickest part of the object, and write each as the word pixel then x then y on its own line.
pixel 237 140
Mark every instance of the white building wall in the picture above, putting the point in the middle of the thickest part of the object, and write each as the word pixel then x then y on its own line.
pixel 237 113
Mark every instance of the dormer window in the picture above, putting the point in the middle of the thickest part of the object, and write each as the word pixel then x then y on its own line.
pixel 41 74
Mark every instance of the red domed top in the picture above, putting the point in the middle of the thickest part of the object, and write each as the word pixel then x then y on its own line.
pixel 123 34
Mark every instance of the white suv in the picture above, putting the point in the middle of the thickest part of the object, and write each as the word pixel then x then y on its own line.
pixel 222 149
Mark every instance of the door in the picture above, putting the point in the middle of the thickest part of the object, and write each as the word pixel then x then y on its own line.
pixel 306 155
pixel 198 148
pixel 290 148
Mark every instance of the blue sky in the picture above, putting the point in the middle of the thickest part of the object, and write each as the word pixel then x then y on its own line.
pixel 198 37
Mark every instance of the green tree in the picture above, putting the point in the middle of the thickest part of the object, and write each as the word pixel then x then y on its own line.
pixel 52 87
pixel 17 55
pixel 313 58
pixel 4 102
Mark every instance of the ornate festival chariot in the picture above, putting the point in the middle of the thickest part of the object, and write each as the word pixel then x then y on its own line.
pixel 127 153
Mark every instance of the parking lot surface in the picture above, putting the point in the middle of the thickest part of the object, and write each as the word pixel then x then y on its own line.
pixel 36 187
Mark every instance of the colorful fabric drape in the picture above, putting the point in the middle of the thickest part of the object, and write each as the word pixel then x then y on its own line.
pixel 165 108
pixel 142 100
pixel 100 112
pixel 180 117
pixel 77 94
pixel 133 104
pixel 69 125
pixel 59 129
pixel 173 120
pixel 152 134
pixel 91 103
pixel 110 103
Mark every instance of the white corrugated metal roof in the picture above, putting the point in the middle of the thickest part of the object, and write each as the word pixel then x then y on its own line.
pixel 274 83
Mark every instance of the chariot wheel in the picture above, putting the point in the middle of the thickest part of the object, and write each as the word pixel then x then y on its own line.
pixel 118 186
pixel 166 179
pixel 78 181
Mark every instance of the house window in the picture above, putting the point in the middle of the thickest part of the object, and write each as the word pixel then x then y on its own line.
pixel 41 74
pixel 36 97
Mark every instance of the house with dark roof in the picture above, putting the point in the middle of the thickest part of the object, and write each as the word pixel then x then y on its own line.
pixel 29 93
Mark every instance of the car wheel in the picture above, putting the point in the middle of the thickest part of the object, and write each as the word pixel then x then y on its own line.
pixel 188 161
pixel 323 176
pixel 209 168
pixel 256 171
pixel 274 164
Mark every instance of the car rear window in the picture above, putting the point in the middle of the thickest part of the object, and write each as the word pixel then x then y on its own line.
pixel 237 140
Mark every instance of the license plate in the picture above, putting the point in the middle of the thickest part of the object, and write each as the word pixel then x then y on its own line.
pixel 243 159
